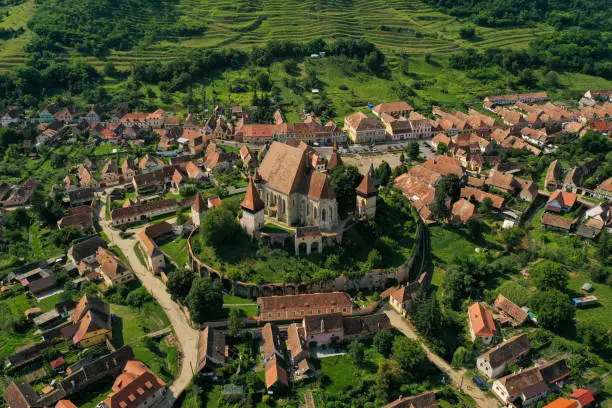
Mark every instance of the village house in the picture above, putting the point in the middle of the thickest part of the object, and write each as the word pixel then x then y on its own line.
pixel 137 213
pixel 528 386
pixel 461 212
pixel 292 307
pixel 256 133
pixel 424 400
pixel 475 195
pixel 86 179
pixel 295 343
pixel 110 174
pixel 493 363
pixel 271 342
pixel 361 129
pixel 557 223
pixel 481 323
pixel 514 312
pixel 112 269
pixel 81 221
pixel 22 194
pixel 90 323
pixel 512 118
pixel 537 137
pixel 553 176
pixel 323 330
pixel 85 251
pixel 394 109
pixel 561 201
pixel 136 387
pixel 92 116
pixel 400 298
pixel 492 101
pixel 276 376
pixel 10 115
pixel 156 119
pixel 38 281
pixel 555 373
pixel 22 395
pixel 127 169
pixel 154 255
pixel 81 196
pixel 212 350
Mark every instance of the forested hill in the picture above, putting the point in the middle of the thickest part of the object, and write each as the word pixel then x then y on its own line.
pixel 93 27
pixel 561 14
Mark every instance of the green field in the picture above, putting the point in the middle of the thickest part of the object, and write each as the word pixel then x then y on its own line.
pixel 177 250
pixel 395 25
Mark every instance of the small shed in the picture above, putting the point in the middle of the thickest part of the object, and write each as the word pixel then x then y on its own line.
pixel 587 287
pixel 57 363
pixel 584 301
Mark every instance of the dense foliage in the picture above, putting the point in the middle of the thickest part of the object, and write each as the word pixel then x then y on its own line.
pixel 559 13
pixel 96 26
pixel 576 50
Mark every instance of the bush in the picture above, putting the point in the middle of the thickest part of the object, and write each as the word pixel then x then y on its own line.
pixel 138 297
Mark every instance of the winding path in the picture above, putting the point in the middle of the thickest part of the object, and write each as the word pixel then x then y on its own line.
pixel 185 334
pixel 459 378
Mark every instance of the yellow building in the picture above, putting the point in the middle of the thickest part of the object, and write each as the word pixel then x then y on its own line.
pixel 91 322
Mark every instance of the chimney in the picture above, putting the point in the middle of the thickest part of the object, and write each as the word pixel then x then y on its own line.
pixel 322 326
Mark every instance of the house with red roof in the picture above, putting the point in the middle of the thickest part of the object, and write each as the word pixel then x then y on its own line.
pixel 584 397
pixel 561 201
pixel 137 386
pixel 481 323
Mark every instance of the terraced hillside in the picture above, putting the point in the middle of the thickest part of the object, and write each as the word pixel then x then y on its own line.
pixel 399 25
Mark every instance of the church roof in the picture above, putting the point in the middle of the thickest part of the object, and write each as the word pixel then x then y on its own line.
pixel 252 201
pixel 367 187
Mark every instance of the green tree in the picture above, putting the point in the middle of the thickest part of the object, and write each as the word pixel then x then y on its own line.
pixel 344 180
pixel 413 150
pixel 402 158
pixel 179 283
pixel 263 81
pixel 475 226
pixel 205 299
pixel 383 173
pixel 552 308
pixel 218 226
pixel 409 354
pixel 442 148
pixel 110 69
pixel 383 341
pixel 9 136
pixel 181 217
pixel 512 237
pixel 235 322
pixel 375 259
pixel 594 334
pixel 356 351
pixel 461 357
pixel 388 379
pixel 486 205
pixel 449 188
pixel 548 275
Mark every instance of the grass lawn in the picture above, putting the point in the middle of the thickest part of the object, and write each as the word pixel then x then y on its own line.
pixel 131 328
pixel 603 310
pixel 48 303
pixel 447 243
pixel 343 373
pixel 275 229
pixel 177 250
pixel 9 340
pixel 236 300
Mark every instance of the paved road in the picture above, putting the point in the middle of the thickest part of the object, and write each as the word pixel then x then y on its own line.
pixel 459 378
pixel 185 334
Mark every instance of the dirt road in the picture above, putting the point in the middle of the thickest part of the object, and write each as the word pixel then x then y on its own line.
pixel 459 378
pixel 185 334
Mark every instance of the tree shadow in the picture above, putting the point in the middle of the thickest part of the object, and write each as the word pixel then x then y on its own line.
pixel 117 326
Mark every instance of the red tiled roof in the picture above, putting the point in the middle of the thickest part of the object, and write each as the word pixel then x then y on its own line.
pixel 481 320
pixel 312 300
pixel 565 198
pixel 583 396
pixel 562 403
pixel 252 201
